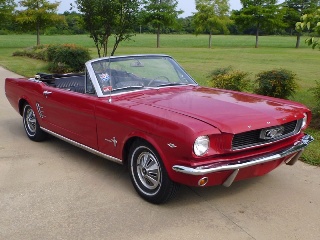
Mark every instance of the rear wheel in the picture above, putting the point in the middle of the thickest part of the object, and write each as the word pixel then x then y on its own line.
pixel 31 125
pixel 148 175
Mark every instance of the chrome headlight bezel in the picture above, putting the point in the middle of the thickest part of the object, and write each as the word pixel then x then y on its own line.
pixel 304 121
pixel 201 146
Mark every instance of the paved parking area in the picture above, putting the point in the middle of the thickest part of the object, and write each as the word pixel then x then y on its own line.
pixel 53 190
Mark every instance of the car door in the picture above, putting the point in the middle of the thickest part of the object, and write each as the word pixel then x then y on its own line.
pixel 70 114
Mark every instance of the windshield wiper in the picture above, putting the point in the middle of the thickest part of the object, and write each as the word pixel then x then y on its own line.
pixel 171 84
pixel 128 88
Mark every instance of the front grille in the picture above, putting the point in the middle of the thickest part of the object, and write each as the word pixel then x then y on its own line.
pixel 252 138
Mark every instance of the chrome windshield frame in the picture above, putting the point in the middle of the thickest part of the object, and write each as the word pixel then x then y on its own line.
pixel 95 82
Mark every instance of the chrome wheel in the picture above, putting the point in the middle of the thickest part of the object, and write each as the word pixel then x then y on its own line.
pixel 31 125
pixel 31 121
pixel 148 174
pixel 148 170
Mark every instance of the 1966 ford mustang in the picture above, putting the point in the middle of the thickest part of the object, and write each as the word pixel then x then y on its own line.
pixel 146 112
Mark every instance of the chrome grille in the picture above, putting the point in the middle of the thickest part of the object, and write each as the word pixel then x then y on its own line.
pixel 252 138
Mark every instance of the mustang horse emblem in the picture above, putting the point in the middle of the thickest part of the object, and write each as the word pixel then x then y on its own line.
pixel 272 133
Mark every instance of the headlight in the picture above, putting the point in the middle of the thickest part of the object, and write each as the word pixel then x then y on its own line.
pixel 201 145
pixel 304 121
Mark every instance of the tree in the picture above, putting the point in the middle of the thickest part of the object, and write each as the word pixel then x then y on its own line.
pixel 212 15
pixel 294 9
pixel 160 14
pixel 6 9
pixel 38 15
pixel 73 20
pixel 72 25
pixel 186 25
pixel 262 14
pixel 103 19
pixel 311 22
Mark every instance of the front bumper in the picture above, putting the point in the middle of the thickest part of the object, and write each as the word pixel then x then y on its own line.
pixel 295 150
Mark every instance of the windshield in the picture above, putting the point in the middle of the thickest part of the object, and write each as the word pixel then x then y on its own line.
pixel 132 73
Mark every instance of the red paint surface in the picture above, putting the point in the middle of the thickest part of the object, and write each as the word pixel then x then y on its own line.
pixel 161 116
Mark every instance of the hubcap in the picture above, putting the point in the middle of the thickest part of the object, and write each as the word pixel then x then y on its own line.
pixel 148 170
pixel 31 121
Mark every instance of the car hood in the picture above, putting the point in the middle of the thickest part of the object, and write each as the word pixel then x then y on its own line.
pixel 229 111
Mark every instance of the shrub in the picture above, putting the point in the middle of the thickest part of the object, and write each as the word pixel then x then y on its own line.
pixel 316 93
pixel 36 52
pixel 278 83
pixel 4 32
pixel 58 68
pixel 315 122
pixel 227 78
pixel 62 58
pixel 19 53
pixel 67 57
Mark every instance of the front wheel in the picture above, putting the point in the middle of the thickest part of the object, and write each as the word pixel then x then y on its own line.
pixel 31 125
pixel 148 175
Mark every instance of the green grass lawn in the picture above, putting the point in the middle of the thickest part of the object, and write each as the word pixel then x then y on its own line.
pixel 192 53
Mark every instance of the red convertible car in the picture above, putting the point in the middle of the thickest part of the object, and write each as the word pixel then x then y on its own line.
pixel 147 113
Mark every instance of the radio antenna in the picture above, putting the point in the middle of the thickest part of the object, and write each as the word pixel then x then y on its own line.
pixel 110 87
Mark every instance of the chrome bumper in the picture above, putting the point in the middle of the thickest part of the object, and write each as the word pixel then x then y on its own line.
pixel 297 148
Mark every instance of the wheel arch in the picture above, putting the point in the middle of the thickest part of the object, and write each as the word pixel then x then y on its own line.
pixel 126 148
pixel 162 187
pixel 147 139
pixel 21 104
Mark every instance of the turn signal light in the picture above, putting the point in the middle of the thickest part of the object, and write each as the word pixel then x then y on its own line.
pixel 203 181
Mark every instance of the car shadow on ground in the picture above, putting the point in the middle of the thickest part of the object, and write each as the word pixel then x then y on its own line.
pixel 185 195
pixel 83 163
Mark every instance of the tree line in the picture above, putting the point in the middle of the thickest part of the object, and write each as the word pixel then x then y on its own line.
pixel 122 19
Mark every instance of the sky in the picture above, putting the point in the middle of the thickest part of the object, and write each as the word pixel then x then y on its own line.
pixel 188 6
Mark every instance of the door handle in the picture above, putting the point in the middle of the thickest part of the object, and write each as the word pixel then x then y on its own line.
pixel 46 93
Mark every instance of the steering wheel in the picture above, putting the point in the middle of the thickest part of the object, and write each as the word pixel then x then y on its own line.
pixel 159 78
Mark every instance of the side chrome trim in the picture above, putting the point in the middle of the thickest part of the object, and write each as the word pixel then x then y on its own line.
pixel 113 140
pixel 40 111
pixel 172 145
pixel 222 166
pixel 84 147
